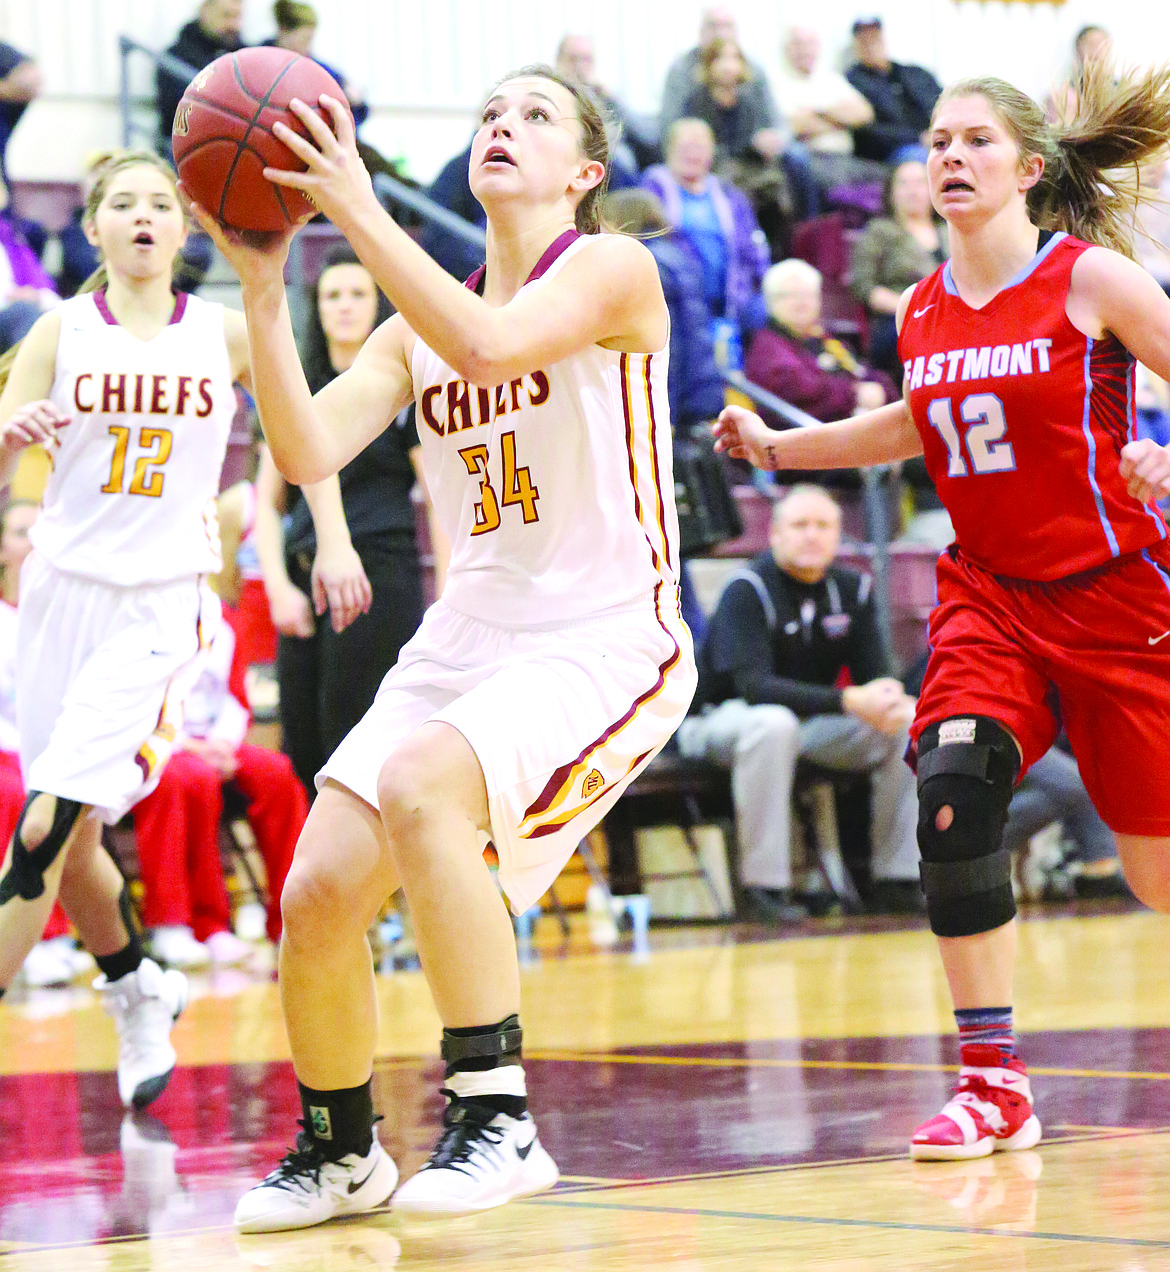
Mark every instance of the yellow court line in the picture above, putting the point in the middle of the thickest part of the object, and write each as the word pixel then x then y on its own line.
pixel 736 1062
pixel 1111 1130
pixel 1093 1135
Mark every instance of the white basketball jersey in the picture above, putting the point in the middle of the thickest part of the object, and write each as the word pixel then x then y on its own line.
pixel 9 733
pixel 557 489
pixel 131 498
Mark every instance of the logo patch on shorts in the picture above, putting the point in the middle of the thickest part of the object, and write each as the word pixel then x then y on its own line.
pixel 322 1125
pixel 592 784
pixel 956 731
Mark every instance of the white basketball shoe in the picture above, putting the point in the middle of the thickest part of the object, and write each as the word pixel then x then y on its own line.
pixel 306 1189
pixel 145 1005
pixel 482 1160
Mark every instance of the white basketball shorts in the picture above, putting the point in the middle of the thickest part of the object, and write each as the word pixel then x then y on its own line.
pixel 101 676
pixel 561 720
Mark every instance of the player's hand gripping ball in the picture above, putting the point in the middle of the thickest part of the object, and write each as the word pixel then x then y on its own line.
pixel 223 139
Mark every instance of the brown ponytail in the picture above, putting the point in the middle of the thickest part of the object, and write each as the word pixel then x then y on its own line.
pixel 1085 189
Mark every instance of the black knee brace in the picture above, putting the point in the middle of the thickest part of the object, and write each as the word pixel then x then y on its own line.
pixel 26 877
pixel 970 764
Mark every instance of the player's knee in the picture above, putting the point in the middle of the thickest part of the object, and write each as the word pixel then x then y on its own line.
pixel 315 903
pixel 42 831
pixel 967 768
pixel 410 793
pixel 36 820
pixel 1146 863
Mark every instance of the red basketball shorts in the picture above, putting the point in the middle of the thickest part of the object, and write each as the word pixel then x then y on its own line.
pixel 1091 652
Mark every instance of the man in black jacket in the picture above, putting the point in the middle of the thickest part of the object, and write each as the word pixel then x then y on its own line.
pixel 902 97
pixel 783 634
pixel 213 31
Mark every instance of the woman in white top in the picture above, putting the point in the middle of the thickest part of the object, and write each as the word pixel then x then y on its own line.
pixel 552 669
pixel 129 386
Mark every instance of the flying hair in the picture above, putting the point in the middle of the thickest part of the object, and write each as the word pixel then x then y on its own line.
pixel 1089 186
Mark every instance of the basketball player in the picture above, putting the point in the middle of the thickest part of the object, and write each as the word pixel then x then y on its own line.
pixel 129 386
pixel 552 669
pixel 1054 599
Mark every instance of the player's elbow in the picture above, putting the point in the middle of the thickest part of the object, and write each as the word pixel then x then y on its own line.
pixel 486 364
pixel 300 465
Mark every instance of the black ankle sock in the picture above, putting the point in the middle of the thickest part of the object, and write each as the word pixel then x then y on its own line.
pixel 339 1121
pixel 2 993
pixel 121 963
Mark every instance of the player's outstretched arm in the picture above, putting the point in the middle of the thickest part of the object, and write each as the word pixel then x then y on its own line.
pixel 884 436
pixel 27 416
pixel 609 294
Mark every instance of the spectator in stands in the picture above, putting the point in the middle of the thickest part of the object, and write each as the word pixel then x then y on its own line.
pixel 894 251
pixel 20 82
pixel 822 108
pixel 185 903
pixel 902 97
pixel 694 384
pixel 26 290
pixel 684 76
pixel 1092 46
pixel 1151 401
pixel 349 544
pixel 215 30
pixel 1050 791
pixel 1152 242
pixel 750 149
pixel 794 358
pixel 634 145
pixel 786 634
pixel 715 218
pixel 240 584
pixel 55 959
pixel 452 191
pixel 296 25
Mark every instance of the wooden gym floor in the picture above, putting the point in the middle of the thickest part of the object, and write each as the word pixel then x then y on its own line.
pixel 725 1100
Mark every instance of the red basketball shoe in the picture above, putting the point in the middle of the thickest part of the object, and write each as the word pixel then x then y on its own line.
pixel 990 1112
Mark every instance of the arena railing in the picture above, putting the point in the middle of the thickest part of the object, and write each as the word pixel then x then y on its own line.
pixel 877 487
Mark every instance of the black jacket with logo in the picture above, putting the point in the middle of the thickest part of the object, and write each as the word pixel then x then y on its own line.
pixel 775 639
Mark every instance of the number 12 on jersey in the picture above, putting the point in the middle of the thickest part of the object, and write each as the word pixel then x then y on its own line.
pixel 156 443
pixel 986 438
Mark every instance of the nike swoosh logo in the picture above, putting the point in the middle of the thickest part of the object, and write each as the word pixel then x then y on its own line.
pixel 1153 640
pixel 919 312
pixel 355 1187
pixel 522 1153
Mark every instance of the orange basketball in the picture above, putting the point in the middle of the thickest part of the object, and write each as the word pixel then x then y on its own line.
pixel 223 140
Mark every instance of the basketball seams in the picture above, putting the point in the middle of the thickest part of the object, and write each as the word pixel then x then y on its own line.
pixel 242 143
pixel 224 112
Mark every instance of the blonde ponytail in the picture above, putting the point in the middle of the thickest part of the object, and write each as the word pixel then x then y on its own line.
pixel 1089 186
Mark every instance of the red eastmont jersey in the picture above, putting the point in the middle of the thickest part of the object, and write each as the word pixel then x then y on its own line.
pixel 1022 419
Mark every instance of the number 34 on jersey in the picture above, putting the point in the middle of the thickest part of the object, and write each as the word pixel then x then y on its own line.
pixel 515 488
